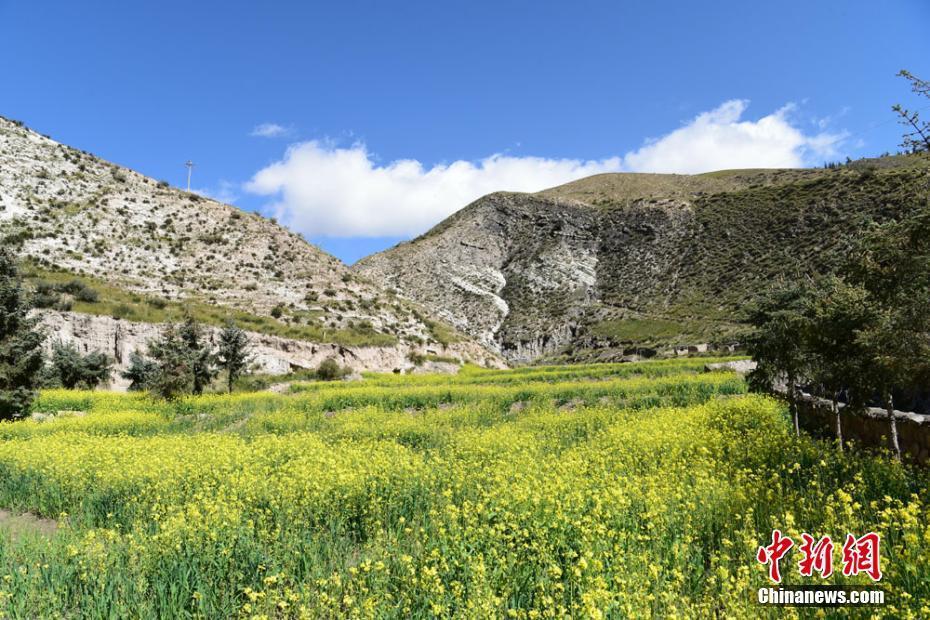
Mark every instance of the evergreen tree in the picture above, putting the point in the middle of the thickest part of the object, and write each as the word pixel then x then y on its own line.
pixel 65 367
pixel 20 344
pixel 69 369
pixel 839 312
pixel 140 373
pixel 173 374
pixel 917 137
pixel 98 368
pixel 780 319
pixel 234 355
pixel 202 361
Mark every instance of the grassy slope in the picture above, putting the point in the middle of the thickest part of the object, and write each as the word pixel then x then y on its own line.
pixel 678 257
pixel 122 304
pixel 766 225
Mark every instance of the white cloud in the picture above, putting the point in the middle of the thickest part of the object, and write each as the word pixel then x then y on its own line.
pixel 720 139
pixel 342 192
pixel 321 189
pixel 270 130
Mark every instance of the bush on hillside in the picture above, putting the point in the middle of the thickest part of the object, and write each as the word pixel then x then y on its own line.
pixel 330 370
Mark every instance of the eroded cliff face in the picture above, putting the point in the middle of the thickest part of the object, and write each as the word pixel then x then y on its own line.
pixel 530 275
pixel 272 355
pixel 614 265
pixel 501 252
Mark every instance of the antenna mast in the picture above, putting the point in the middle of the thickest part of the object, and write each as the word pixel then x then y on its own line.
pixel 190 166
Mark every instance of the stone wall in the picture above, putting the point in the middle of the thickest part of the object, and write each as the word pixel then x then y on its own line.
pixel 868 428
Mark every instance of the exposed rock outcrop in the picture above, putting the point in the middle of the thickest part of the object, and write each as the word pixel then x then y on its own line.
pixel 499 269
pixel 621 263
pixel 740 367
pixel 273 355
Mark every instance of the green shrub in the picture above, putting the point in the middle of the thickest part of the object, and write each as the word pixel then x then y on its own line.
pixel 330 370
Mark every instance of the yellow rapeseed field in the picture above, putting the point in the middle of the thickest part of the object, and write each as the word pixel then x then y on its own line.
pixel 599 491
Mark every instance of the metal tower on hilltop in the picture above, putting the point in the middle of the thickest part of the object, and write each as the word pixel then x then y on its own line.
pixel 190 166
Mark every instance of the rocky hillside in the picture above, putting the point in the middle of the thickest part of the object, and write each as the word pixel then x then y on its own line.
pixel 103 240
pixel 609 265
pixel 271 355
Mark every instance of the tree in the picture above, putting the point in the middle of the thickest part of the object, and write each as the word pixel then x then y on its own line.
pixel 892 350
pixel 202 362
pixel 65 366
pixel 780 321
pixel 98 367
pixel 20 343
pixel 182 363
pixel 140 373
pixel 173 374
pixel 917 137
pixel 893 265
pixel 839 312
pixel 70 369
pixel 234 355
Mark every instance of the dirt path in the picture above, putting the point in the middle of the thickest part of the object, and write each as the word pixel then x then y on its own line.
pixel 17 524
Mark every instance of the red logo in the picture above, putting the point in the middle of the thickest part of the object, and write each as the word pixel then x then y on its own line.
pixel 817 556
pixel 860 555
pixel 772 554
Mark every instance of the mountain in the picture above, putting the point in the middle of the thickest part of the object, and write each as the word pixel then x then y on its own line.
pixel 99 239
pixel 600 268
pixel 616 264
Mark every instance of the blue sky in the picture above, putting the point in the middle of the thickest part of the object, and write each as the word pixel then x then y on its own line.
pixel 381 118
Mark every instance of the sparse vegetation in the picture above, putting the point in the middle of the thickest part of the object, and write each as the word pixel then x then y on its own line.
pixel 130 238
pixel 416 358
pixel 443 359
pixel 640 330
pixel 119 303
pixel 441 332
pixel 679 258
pixel 62 295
